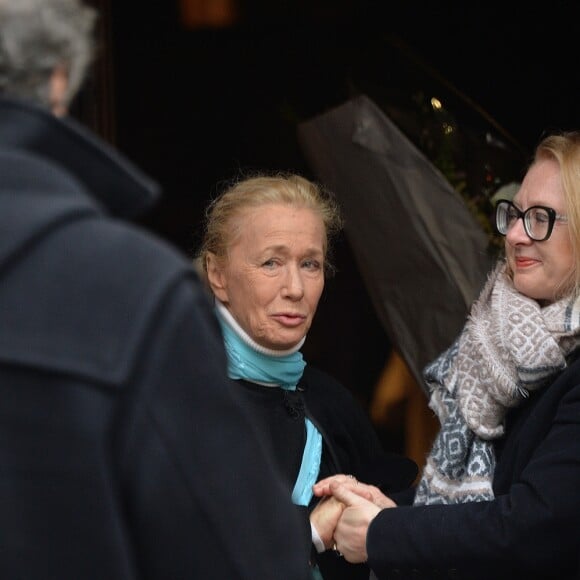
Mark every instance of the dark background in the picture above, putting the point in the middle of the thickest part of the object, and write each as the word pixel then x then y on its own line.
pixel 196 105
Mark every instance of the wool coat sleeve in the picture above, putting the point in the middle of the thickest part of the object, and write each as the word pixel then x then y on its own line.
pixel 124 452
pixel 202 499
pixel 530 529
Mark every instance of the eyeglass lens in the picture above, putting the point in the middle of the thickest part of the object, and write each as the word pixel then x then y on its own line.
pixel 537 220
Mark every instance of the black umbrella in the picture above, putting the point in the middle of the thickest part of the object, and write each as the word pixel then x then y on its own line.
pixel 421 253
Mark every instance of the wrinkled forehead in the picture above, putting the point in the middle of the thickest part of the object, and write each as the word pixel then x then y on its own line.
pixel 244 217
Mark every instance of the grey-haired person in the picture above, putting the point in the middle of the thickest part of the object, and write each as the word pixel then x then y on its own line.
pixel 124 453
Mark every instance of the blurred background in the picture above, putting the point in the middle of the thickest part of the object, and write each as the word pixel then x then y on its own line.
pixel 197 92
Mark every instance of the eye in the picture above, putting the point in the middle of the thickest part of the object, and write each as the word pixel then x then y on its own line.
pixel 540 216
pixel 512 214
pixel 270 264
pixel 311 265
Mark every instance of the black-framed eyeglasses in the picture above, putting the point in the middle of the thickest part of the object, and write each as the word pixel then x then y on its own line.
pixel 538 220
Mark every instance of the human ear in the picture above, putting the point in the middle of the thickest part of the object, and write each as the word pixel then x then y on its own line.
pixel 216 277
pixel 58 86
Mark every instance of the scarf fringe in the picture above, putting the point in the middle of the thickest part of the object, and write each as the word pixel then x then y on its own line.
pixel 508 347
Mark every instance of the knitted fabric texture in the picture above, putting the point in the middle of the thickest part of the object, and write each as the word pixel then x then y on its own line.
pixel 509 347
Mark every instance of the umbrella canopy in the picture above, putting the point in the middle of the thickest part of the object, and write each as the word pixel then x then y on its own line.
pixel 420 251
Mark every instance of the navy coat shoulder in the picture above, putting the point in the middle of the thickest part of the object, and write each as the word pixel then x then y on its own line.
pixel 124 452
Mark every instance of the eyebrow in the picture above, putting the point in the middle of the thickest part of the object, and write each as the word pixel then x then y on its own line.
pixel 284 248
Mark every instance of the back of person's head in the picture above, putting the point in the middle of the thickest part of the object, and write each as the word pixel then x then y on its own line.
pixel 226 213
pixel 564 148
pixel 38 37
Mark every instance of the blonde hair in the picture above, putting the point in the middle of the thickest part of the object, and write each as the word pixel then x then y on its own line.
pixel 223 216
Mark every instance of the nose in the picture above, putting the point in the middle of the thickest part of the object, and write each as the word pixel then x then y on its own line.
pixel 293 287
pixel 516 235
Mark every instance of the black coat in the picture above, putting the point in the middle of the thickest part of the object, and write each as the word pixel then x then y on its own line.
pixel 124 453
pixel 530 530
pixel 350 444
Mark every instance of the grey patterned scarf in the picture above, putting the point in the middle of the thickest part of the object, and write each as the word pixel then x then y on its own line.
pixel 509 347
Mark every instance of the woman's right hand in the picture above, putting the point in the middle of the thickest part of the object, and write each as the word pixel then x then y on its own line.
pixel 324 518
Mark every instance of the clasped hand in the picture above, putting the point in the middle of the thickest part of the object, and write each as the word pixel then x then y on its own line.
pixel 343 515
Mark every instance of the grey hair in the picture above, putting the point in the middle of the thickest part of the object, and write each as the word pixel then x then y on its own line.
pixel 38 36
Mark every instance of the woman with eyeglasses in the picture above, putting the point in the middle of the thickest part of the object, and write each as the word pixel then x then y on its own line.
pixel 499 496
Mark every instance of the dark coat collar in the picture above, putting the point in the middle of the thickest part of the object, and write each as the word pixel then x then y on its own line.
pixel 122 188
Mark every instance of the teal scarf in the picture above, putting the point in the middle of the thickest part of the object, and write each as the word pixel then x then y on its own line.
pixel 249 361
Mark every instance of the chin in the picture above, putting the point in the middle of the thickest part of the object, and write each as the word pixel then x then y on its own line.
pixel 284 344
pixel 530 292
pixel 525 290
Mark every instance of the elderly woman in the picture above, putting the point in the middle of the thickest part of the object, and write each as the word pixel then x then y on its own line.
pixel 265 254
pixel 500 493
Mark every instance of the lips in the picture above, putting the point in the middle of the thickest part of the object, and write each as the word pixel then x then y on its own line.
pixel 289 319
pixel 524 262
